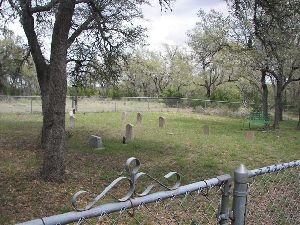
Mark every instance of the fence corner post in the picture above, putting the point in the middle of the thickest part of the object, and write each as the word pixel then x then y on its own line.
pixel 240 193
pixel 223 215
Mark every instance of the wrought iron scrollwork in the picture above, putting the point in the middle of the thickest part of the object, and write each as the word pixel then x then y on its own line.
pixel 132 166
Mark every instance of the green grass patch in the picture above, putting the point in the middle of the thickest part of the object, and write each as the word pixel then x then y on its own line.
pixel 181 146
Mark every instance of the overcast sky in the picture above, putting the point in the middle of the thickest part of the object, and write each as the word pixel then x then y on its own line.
pixel 167 27
pixel 171 27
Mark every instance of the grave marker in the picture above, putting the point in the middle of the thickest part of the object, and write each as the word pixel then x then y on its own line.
pixel 72 120
pixel 124 116
pixel 129 135
pixel 96 142
pixel 162 122
pixel 139 118
pixel 206 129
pixel 249 135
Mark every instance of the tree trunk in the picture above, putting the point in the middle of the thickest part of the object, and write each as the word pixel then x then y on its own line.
pixel 53 85
pixel 298 126
pixel 281 110
pixel 208 92
pixel 53 132
pixel 278 105
pixel 264 94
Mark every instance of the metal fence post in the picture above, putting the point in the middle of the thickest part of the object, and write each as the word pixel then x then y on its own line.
pixel 223 216
pixel 31 105
pixel 240 193
pixel 73 102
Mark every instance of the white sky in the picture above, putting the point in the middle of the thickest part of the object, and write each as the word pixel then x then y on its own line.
pixel 171 27
pixel 167 27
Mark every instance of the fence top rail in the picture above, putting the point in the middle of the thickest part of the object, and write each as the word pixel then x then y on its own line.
pixel 20 96
pixel 121 206
pixel 132 198
pixel 273 168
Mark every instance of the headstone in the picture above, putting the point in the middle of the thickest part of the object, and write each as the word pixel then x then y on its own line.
pixel 129 132
pixel 124 116
pixel 139 118
pixel 249 135
pixel 96 142
pixel 162 122
pixel 72 120
pixel 206 129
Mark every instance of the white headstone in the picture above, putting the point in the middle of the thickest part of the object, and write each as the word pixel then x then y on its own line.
pixel 129 135
pixel 72 120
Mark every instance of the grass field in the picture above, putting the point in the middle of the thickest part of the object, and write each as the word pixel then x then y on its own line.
pixel 181 146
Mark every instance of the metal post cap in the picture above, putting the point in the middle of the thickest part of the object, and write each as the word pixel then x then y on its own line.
pixel 241 174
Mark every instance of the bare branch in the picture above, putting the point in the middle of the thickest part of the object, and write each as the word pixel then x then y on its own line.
pixel 82 1
pixel 14 6
pixel 80 29
pixel 27 21
pixel 44 8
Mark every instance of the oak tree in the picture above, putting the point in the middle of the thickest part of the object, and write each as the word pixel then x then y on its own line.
pixel 103 25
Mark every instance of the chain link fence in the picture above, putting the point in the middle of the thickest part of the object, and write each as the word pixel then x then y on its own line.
pixel 274 197
pixel 268 195
pixel 200 207
pixel 33 104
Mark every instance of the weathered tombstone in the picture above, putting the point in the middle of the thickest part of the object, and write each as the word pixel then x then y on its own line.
pixel 206 129
pixel 249 135
pixel 129 132
pixel 96 142
pixel 162 122
pixel 124 116
pixel 139 118
pixel 72 120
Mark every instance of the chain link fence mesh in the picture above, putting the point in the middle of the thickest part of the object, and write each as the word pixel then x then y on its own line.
pixel 274 198
pixel 33 104
pixel 194 208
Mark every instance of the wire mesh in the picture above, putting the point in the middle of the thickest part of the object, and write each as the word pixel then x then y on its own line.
pixel 274 198
pixel 194 208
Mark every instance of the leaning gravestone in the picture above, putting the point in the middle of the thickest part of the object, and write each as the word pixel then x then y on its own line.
pixel 206 129
pixel 96 142
pixel 162 122
pixel 129 132
pixel 72 120
pixel 249 135
pixel 139 118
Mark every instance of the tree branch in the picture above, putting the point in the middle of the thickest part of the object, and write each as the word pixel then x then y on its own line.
pixel 44 8
pixel 80 29
pixel 27 21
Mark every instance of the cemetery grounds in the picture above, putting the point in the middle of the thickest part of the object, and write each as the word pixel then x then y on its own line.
pixel 181 146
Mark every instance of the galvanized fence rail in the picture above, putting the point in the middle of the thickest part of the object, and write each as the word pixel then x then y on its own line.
pixel 268 195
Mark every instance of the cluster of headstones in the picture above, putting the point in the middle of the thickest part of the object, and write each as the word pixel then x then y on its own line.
pixel 129 131
pixel 96 141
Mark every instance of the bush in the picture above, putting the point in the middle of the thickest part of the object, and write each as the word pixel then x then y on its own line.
pixel 226 94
